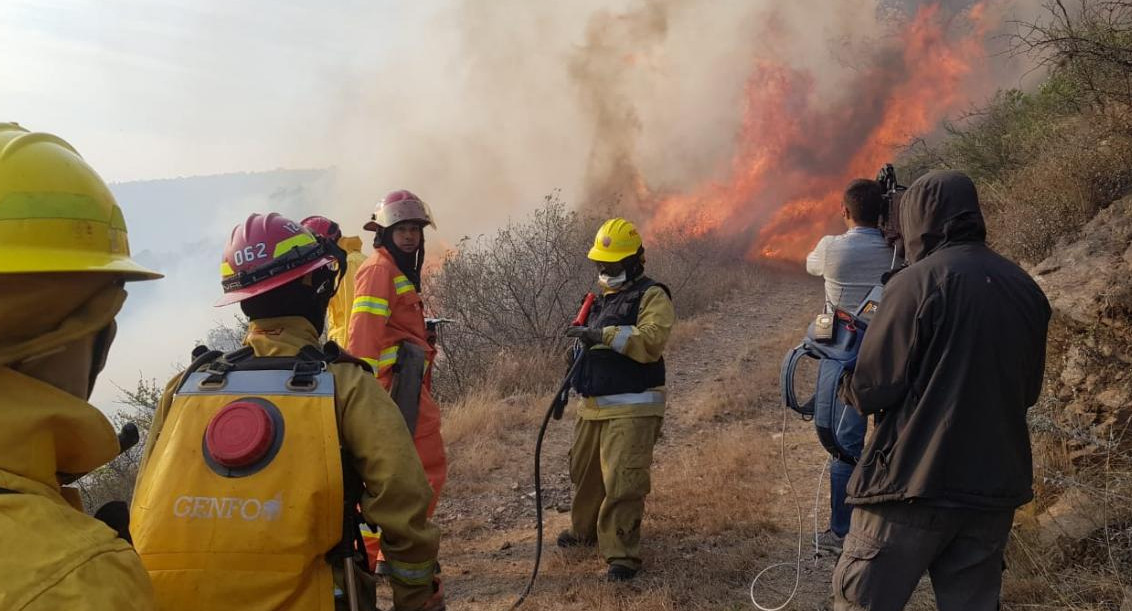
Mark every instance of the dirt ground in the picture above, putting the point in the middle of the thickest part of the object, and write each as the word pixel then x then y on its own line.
pixel 721 509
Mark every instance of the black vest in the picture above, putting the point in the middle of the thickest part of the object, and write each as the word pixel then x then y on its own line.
pixel 605 371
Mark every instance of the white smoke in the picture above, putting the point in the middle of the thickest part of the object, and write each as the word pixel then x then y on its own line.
pixel 479 107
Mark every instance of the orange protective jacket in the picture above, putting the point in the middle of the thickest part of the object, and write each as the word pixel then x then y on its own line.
pixel 386 311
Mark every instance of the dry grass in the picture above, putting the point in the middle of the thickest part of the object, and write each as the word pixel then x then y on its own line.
pixel 710 522
pixel 751 379
pixel 710 471
pixel 685 331
pixel 482 432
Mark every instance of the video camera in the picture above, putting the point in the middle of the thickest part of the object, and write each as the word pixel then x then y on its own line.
pixel 890 217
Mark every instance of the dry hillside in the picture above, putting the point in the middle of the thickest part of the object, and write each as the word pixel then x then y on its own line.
pixel 720 510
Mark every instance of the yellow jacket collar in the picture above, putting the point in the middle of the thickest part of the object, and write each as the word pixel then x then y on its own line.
pixel 350 243
pixel 44 431
pixel 280 336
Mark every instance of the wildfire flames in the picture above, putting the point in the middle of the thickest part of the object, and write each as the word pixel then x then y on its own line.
pixel 796 153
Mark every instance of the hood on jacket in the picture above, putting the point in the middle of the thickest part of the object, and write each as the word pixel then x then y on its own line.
pixel 350 243
pixel 940 208
pixel 281 335
pixel 47 323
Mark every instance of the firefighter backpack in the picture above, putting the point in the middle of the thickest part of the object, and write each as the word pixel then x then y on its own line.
pixel 242 497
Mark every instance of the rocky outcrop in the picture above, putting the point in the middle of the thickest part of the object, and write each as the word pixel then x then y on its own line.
pixel 1083 437
pixel 1089 280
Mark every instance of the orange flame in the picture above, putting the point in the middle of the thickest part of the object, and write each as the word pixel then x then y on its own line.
pixel 794 156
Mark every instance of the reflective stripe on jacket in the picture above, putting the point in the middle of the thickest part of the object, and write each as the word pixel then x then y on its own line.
pixel 386 311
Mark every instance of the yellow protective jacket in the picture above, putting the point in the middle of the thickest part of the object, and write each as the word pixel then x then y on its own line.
pixel 338 314
pixel 643 342
pixel 52 555
pixel 372 431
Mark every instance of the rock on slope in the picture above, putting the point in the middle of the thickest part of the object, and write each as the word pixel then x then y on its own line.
pixel 1083 445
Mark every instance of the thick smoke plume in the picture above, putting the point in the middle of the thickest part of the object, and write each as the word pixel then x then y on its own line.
pixel 741 118
pixel 813 116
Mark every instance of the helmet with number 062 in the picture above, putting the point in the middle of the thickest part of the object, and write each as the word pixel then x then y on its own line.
pixel 265 252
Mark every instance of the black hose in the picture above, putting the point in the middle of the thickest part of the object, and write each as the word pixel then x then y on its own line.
pixel 554 411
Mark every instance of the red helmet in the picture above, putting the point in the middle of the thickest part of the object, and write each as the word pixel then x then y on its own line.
pixel 323 227
pixel 266 252
pixel 396 207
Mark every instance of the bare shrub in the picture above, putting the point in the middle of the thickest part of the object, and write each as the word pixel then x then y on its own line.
pixel 114 481
pixel 1042 168
pixel 1046 161
pixel 1060 191
pixel 1088 41
pixel 229 336
pixel 700 268
pixel 513 294
pixel 516 291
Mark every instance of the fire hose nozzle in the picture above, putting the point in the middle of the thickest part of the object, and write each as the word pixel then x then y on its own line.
pixel 584 311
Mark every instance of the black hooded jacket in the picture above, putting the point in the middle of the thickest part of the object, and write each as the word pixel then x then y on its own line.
pixel 951 362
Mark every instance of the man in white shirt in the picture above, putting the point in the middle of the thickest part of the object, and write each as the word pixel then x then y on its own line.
pixel 851 264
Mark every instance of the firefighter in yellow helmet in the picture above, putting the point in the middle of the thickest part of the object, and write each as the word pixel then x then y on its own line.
pixel 621 380
pixel 248 493
pixel 64 259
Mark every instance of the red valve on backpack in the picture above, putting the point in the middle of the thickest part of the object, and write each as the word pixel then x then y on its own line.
pixel 584 312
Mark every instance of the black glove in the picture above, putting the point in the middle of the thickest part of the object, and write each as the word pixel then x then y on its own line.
pixel 588 335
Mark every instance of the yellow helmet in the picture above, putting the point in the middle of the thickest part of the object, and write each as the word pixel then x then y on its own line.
pixel 616 240
pixel 56 214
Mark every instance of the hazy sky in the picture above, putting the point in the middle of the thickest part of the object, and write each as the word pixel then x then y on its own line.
pixel 161 88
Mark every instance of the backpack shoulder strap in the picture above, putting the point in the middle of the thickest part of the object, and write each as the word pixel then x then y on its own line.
pixel 335 354
pixel 202 356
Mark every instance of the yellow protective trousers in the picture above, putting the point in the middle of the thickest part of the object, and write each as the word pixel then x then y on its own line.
pixel 251 538
pixel 609 467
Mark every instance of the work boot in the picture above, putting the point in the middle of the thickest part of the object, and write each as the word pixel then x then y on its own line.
pixel 567 538
pixel 619 572
pixel 828 541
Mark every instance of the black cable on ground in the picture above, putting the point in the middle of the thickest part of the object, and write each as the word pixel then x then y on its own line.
pixel 555 411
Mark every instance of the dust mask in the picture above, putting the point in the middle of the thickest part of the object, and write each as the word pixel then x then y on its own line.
pixel 611 283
